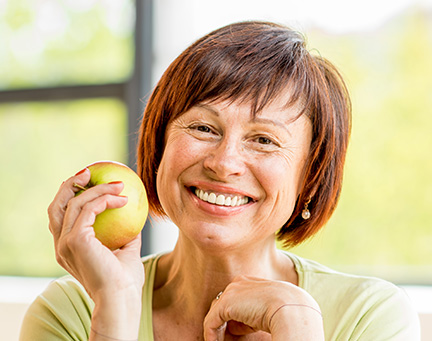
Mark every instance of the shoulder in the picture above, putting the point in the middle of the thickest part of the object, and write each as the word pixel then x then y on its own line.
pixel 61 311
pixel 358 307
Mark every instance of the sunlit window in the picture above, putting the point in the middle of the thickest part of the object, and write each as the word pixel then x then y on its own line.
pixel 42 145
pixel 52 43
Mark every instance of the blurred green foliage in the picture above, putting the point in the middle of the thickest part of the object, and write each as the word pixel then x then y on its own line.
pixel 54 42
pixel 42 144
pixel 384 219
pixel 51 43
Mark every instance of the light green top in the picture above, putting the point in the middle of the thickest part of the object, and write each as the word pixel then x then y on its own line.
pixel 353 307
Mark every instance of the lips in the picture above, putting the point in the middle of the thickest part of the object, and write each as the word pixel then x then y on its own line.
pixel 221 199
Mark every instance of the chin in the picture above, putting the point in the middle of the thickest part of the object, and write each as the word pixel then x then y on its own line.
pixel 214 238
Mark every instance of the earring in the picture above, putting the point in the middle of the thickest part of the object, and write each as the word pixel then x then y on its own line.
pixel 306 213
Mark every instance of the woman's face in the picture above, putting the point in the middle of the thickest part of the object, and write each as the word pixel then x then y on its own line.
pixel 227 179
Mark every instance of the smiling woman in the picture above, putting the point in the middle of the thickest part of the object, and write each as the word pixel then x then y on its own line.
pixel 244 137
pixel 219 69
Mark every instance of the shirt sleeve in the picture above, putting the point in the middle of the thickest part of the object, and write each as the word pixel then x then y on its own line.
pixel 388 315
pixel 61 312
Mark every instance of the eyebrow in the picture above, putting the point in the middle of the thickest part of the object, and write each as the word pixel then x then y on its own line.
pixel 271 122
pixel 255 119
pixel 208 108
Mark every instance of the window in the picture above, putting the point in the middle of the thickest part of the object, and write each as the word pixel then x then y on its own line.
pixel 43 143
pixel 72 80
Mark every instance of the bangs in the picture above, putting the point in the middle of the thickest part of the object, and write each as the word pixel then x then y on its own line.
pixel 245 66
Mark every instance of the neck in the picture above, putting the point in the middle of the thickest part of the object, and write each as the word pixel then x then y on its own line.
pixel 190 277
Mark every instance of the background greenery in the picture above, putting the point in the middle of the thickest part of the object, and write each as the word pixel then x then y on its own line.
pixel 50 43
pixel 42 144
pixel 383 222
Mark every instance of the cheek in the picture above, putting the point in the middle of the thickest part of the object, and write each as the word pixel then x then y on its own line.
pixel 282 174
pixel 281 177
pixel 178 156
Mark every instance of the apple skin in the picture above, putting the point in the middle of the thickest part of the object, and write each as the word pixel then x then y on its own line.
pixel 118 226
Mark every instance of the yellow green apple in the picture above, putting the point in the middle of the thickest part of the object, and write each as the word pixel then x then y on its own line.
pixel 117 226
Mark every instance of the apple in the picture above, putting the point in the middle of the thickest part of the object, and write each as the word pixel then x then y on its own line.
pixel 117 226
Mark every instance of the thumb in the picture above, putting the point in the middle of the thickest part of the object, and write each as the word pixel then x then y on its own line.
pixel 215 334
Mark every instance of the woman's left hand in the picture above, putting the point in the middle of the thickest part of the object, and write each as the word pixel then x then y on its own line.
pixel 252 305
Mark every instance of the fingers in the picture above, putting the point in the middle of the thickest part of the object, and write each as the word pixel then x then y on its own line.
pixel 68 211
pixel 83 209
pixel 66 192
pixel 214 325
pixel 220 332
pixel 77 237
pixel 253 305
pixel 219 321
pixel 240 310
pixel 238 328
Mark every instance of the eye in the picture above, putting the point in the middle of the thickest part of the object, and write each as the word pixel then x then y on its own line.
pixel 264 140
pixel 203 129
pixel 264 143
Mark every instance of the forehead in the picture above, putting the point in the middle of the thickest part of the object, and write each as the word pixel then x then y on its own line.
pixel 283 106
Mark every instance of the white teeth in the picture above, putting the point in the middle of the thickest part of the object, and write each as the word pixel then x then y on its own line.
pixel 234 201
pixel 212 198
pixel 221 199
pixel 227 201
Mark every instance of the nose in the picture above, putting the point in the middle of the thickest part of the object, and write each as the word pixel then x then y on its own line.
pixel 225 160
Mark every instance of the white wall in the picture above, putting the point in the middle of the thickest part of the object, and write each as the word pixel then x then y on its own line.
pixel 179 23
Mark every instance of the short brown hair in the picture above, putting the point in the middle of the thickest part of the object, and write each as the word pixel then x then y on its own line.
pixel 254 62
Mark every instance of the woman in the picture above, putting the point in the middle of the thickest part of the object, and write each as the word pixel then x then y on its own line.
pixel 244 137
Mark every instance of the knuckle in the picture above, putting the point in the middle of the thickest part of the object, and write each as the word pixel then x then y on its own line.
pixel 74 202
pixel 50 209
pixel 90 207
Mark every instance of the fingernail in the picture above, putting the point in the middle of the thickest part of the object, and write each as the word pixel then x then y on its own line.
pixel 114 182
pixel 81 171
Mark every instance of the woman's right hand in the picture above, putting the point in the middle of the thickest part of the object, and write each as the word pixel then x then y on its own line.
pixel 113 279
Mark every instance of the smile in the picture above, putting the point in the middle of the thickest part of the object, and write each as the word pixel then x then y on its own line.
pixel 221 199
